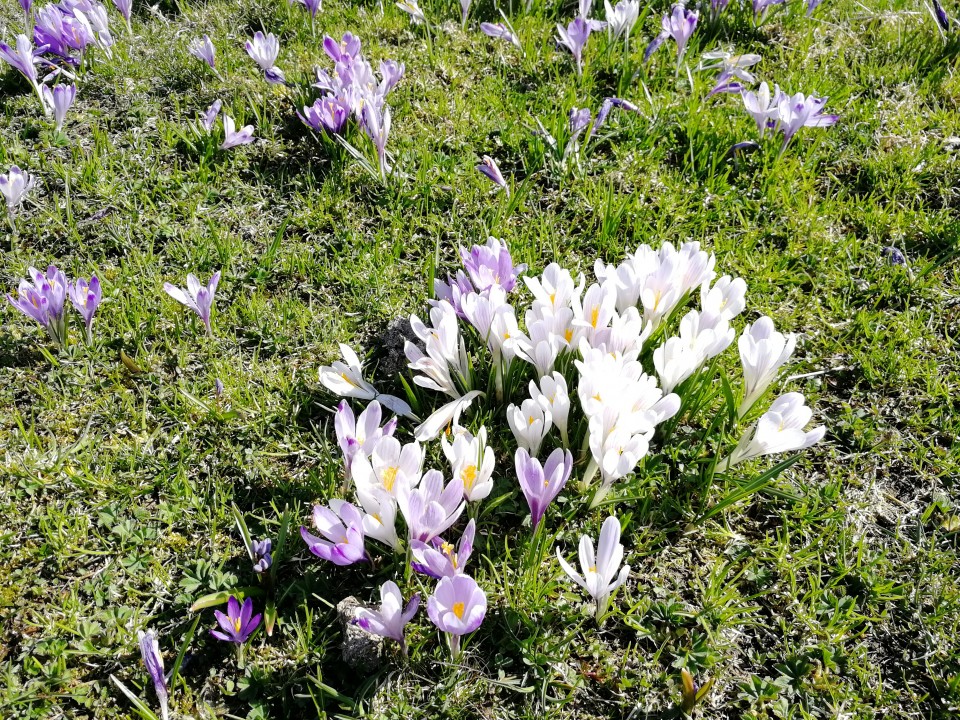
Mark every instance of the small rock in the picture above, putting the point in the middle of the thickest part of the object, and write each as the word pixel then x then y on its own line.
pixel 361 650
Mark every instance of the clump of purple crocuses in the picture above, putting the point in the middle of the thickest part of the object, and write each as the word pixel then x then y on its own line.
pixel 785 113
pixel 43 298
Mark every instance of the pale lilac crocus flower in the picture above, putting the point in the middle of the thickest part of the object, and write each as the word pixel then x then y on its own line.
pixel 392 617
pixel 760 7
pixel 621 18
pixel 196 297
pixel 501 31
pixel 43 300
pixel 762 106
pixel 125 7
pixel 799 111
pixel 441 559
pixel 489 168
pixel 464 12
pixel 491 265
pixel 542 483
pixel 14 187
pixel 203 49
pixel 457 607
pixel 600 578
pixel 264 50
pixel 346 50
pixel 341 525
pixel 779 429
pixel 232 137
pixel 376 125
pixel 23 58
pixel 153 660
pixel 678 24
pixel 574 37
pixel 239 622
pixel 262 551
pixel 59 101
pixel 329 115
pixel 360 435
pixel 430 508
pixel 86 297
pixel 733 70
pixel 210 116
pixel 814 4
pixel 411 8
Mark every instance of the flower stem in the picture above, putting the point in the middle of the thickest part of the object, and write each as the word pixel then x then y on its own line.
pixel 454 645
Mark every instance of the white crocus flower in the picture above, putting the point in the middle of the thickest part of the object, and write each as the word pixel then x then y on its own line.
pixel 763 351
pixel 779 430
pixel 600 577
pixel 530 424
pixel 380 518
pixel 472 461
pixel 443 417
pixel 389 465
pixel 551 394
pixel 445 351
pixel 622 17
pixel 726 299
pixel 346 379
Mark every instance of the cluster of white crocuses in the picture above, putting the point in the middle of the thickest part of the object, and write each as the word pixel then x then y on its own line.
pixel 595 370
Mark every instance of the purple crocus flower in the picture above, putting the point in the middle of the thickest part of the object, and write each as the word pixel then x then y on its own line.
pixel 14 187
pixel 392 617
pixel 329 114
pixel 457 608
pixel 944 23
pixel 238 624
pixel 43 300
pixel 264 50
pixel 500 31
pixel 717 7
pixel 376 125
pixel 59 101
pixel 490 265
pixel 391 73
pixel 23 58
pixel 360 435
pixel 262 555
pixel 799 111
pixel 86 297
pixel 312 6
pixel 348 49
pixel 126 10
pixel 489 168
pixel 814 4
pixel 443 559
pixel 153 660
pixel 605 108
pixel 210 116
pixel 574 37
pixel 453 291
pixel 430 508
pixel 204 50
pixel 233 137
pixel 579 121
pixel 893 256
pixel 196 297
pixel 678 24
pixel 542 483
pixel 341 525
pixel 760 7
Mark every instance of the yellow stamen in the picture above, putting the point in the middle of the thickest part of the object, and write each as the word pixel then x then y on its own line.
pixel 348 380
pixel 568 335
pixel 469 476
pixel 593 569
pixel 530 420
pixel 458 610
pixel 594 316
pixel 236 624
pixel 389 478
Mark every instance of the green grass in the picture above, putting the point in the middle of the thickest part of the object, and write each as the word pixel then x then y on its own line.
pixel 116 487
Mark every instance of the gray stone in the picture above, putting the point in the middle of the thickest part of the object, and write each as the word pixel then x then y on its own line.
pixel 361 650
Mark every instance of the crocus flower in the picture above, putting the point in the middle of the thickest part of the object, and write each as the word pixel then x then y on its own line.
pixel 380 514
pixel 491 265
pixel 678 24
pixel 238 624
pixel 441 559
pixel 203 49
pixel 574 37
pixel 14 187
pixel 312 6
pixel 445 416
pixel 59 101
pixel 779 429
pixel 263 50
pixel 26 6
pixel 347 49
pixel 763 107
pixel 763 351
pixel 392 617
pixel 799 111
pixel 622 17
pixel 23 58
pixel 814 4
pixel 329 115
pixel 717 7
pixel 760 7
pixel 376 125
pixel 502 32
pixel 489 168
pixel 464 12
pixel 530 424
pixel 346 379
pixel 411 8
pixel 542 483
pixel 210 116
pixel 600 578
pixel 360 435
pixel 233 137
pixel 940 17
pixel 153 660
pixel 262 555
pixel 125 7
pixel 196 297
pixel 733 70
pixel 341 525
pixel 43 301
pixel 893 256
pixel 430 508
pixel 472 461
pixel 579 121
pixel 457 607
pixel 86 297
